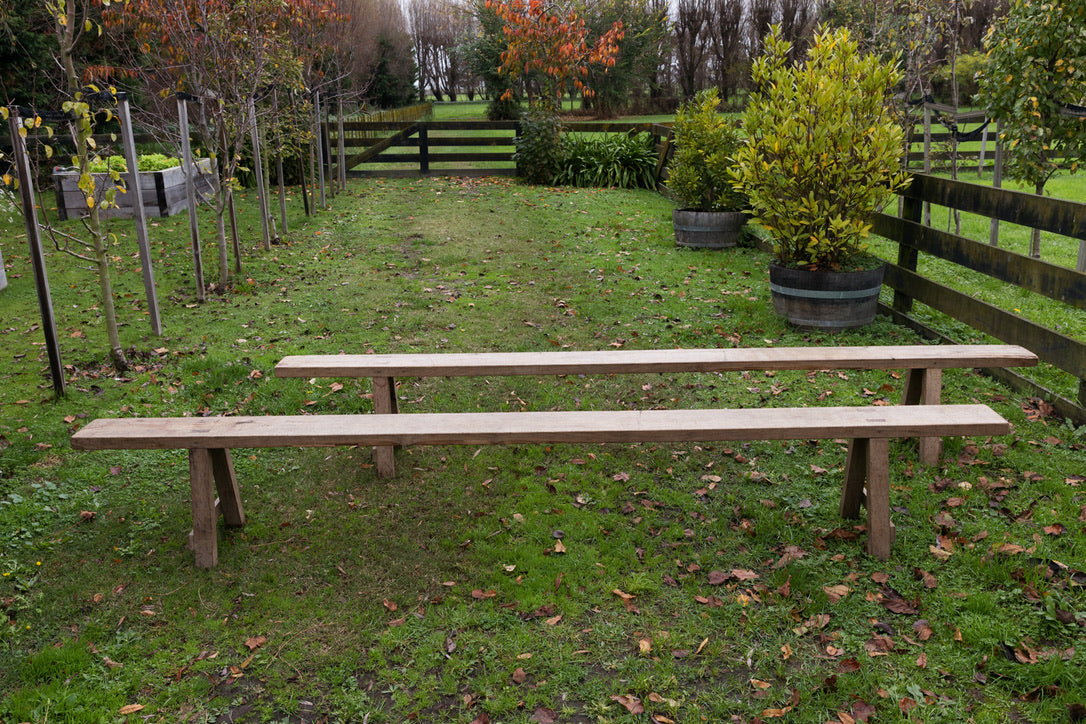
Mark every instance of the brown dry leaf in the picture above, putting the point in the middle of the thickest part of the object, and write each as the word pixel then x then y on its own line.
pixel 836 593
pixel 892 601
pixel 627 599
pixel 741 574
pixel 922 661
pixel 390 605
pixel 717 578
pixel 759 684
pixel 926 578
pixel 130 709
pixel 786 652
pixel 483 718
pixel 479 594
pixel 631 702
pixel 848 666
pixel 543 715
pixel 553 620
pixel 519 675
pixel 645 646
pixel 559 547
pixel 1010 549
pixel 778 713
pixel 923 629
pixel 256 642
pixel 879 646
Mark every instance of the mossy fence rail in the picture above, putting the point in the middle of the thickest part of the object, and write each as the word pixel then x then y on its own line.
pixel 453 148
pixel 486 148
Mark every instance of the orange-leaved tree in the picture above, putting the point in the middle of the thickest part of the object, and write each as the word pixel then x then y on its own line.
pixel 548 47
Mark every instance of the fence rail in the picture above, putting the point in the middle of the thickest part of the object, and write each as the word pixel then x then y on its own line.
pixel 1033 276
pixel 454 148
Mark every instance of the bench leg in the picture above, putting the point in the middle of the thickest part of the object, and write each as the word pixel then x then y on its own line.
pixel 204 537
pixel 925 387
pixel 869 462
pixel 226 483
pixel 384 403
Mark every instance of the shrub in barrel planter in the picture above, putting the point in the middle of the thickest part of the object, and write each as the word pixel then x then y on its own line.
pixel 162 185
pixel 698 176
pixel 823 154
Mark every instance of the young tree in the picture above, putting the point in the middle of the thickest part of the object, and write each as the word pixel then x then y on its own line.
pixel 548 47
pixel 223 52
pixel 71 21
pixel 1035 78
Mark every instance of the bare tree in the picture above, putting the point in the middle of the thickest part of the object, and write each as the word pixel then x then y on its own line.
pixel 797 19
pixel 692 30
pixel 727 44
pixel 760 17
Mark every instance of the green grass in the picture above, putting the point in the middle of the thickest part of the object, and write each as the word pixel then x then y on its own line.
pixel 439 595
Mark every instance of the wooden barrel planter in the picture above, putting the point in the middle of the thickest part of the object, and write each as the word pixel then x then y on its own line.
pixel 707 229
pixel 825 300
pixel 163 192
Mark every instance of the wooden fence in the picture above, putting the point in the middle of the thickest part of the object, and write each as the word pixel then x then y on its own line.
pixel 486 148
pixel 1060 284
pixel 454 148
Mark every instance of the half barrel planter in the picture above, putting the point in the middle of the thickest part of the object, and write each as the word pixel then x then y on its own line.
pixel 707 229
pixel 826 300
pixel 163 192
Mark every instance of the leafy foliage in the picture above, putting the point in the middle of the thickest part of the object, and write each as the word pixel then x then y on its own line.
pixel 705 146
pixel 548 48
pixel 615 160
pixel 539 146
pixel 824 149
pixel 148 163
pixel 1037 65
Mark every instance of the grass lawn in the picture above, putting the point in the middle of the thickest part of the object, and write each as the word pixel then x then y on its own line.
pixel 607 583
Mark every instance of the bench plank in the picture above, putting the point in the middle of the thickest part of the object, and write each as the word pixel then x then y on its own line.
pixel 209 440
pixel 503 428
pixel 477 364
pixel 923 365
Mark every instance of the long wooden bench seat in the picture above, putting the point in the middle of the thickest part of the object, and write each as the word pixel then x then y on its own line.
pixel 923 364
pixel 866 480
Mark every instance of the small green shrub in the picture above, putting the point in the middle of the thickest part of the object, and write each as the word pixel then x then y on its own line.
pixel 824 149
pixel 148 163
pixel 625 161
pixel 705 146
pixel 539 146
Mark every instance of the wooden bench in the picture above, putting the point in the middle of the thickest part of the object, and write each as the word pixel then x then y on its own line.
pixel 923 364
pixel 866 478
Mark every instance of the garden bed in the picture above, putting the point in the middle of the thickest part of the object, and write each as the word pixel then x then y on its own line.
pixel 163 192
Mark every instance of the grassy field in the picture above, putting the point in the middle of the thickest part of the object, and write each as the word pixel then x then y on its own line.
pixel 526 584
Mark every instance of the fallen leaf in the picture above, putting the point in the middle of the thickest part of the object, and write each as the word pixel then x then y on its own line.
pixel 479 594
pixel 631 702
pixel 543 715
pixel 256 642
pixel 519 675
pixel 836 593
pixel 390 605
pixel 559 548
pixel 131 709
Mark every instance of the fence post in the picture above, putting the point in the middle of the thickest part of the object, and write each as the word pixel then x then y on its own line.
pixel 424 151
pixel 911 210
pixel 37 255
pixel 997 182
